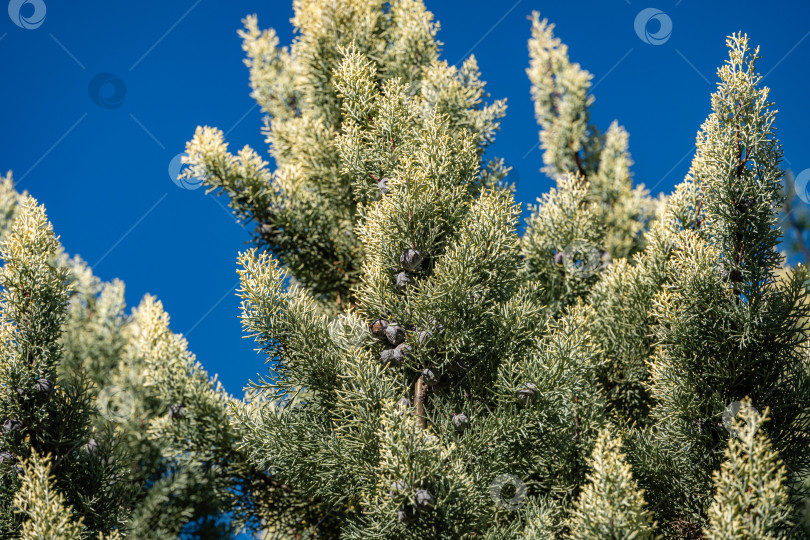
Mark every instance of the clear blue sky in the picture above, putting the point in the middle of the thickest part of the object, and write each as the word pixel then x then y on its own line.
pixel 102 172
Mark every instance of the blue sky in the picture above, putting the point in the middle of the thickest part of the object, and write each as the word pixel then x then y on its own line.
pixel 102 172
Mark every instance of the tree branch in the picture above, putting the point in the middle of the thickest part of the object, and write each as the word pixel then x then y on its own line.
pixel 420 393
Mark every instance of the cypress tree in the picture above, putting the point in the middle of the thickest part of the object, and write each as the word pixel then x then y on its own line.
pixel 304 211
pixel 610 505
pixel 751 497
pixel 727 325
pixel 108 412
pixel 432 373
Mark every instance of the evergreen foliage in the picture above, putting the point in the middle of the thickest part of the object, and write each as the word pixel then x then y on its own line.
pixel 42 412
pixel 431 372
pixel 44 506
pixel 561 93
pixel 610 504
pixel 677 314
pixel 726 328
pixel 107 413
pixel 330 156
pixel 751 497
